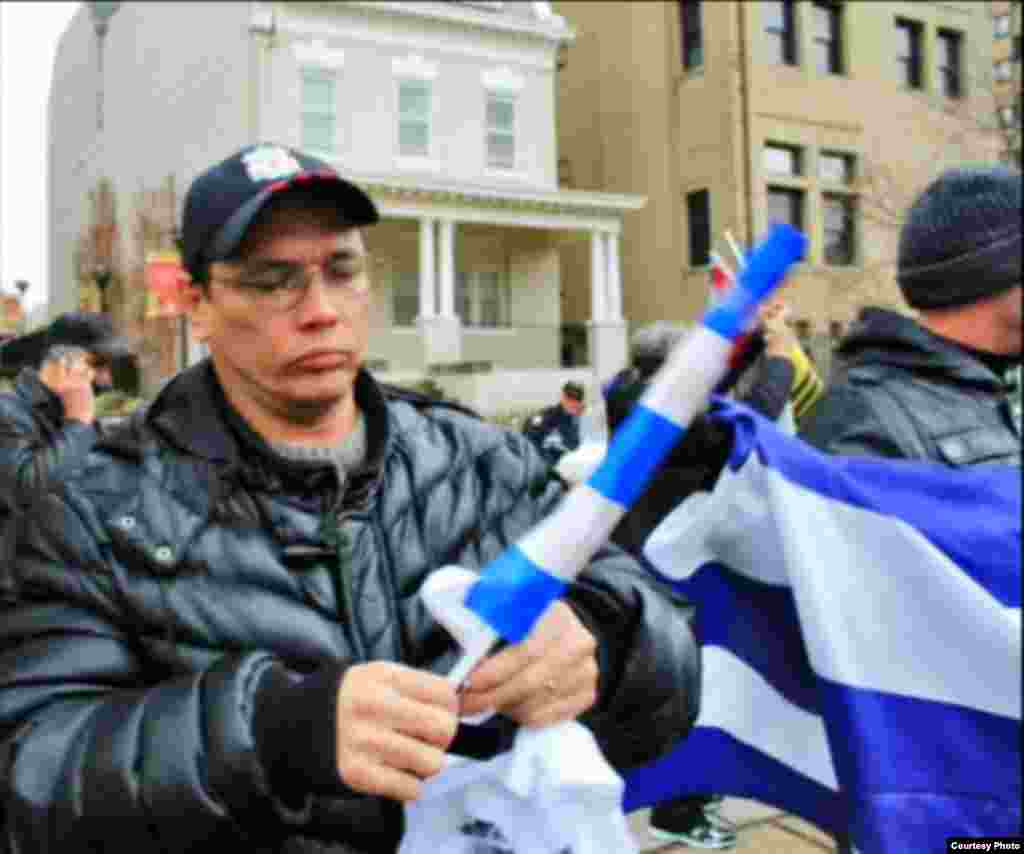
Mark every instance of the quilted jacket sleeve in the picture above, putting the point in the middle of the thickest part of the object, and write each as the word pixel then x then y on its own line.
pixel 90 752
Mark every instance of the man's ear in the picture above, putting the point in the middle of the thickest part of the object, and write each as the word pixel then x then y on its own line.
pixel 195 305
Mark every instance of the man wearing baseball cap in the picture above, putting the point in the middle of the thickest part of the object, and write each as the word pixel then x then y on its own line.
pixel 936 388
pixel 252 662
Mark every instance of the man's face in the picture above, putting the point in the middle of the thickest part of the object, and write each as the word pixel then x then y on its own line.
pixel 101 369
pixel 297 362
pixel 1008 336
pixel 572 405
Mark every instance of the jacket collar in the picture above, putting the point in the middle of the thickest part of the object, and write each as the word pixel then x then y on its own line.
pixel 880 336
pixel 31 389
pixel 193 414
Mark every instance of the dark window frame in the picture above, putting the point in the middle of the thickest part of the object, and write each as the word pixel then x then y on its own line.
pixel 797 200
pixel 912 64
pixel 950 45
pixel 698 216
pixel 832 43
pixel 786 34
pixel 848 234
pixel 691 34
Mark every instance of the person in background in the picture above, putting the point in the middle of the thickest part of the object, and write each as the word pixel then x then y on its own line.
pixel 556 430
pixel 940 387
pixel 48 423
pixel 213 636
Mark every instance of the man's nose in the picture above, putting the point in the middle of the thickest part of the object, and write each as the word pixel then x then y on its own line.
pixel 317 305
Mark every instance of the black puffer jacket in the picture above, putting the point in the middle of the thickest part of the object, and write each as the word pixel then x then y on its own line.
pixel 902 392
pixel 153 594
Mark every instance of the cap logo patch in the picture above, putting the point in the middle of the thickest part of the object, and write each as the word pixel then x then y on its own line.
pixel 269 163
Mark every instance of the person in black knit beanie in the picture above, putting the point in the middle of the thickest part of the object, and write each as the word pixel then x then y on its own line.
pixel 937 387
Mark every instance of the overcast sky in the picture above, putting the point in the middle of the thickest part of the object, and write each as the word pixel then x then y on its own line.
pixel 29 37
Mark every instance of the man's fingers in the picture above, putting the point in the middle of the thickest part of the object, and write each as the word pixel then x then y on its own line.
pixel 423 722
pixel 364 775
pixel 423 687
pixel 565 700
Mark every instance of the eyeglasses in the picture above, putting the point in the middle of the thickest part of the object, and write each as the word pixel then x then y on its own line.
pixel 281 285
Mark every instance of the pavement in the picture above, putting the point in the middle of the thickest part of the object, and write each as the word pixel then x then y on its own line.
pixel 763 829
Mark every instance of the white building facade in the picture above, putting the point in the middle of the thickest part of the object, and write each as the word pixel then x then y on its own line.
pixel 443 111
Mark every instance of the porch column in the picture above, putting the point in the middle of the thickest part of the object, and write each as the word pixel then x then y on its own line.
pixel 446 268
pixel 427 307
pixel 614 277
pixel 439 326
pixel 598 270
pixel 607 329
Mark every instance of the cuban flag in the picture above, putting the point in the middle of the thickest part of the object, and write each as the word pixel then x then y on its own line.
pixel 861 630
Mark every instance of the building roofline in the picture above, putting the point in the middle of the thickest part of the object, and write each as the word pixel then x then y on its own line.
pixel 570 201
pixel 554 28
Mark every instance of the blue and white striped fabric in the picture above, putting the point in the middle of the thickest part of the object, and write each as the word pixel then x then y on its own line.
pixel 517 587
pixel 861 628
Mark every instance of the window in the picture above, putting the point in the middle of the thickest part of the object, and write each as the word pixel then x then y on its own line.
pixel 698 215
pixel 835 168
pixel 786 205
pixel 318 110
pixel 782 160
pixel 482 299
pixel 405 298
pixel 501 131
pixel 414 118
pixel 949 45
pixel 1001 24
pixel 780 31
pixel 908 52
pixel 828 42
pixel 839 229
pixel 693 34
pixel 1003 71
pixel 1007 116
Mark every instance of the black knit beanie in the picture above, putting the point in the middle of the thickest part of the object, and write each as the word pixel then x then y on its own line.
pixel 961 239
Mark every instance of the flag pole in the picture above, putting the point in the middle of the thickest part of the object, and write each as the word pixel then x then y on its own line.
pixel 515 589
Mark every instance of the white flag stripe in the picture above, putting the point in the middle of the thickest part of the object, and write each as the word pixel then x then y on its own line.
pixel 693 370
pixel 764 720
pixel 589 516
pixel 867 587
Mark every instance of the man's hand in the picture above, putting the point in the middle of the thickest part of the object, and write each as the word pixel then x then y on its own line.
pixel 550 677
pixel 779 339
pixel 70 377
pixel 394 725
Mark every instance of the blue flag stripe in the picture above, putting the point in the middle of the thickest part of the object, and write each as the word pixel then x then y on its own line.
pixel 711 760
pixel 641 443
pixel 513 577
pixel 758 624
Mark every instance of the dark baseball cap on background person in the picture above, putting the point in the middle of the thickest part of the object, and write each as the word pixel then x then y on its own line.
pixel 961 239
pixel 573 391
pixel 87 330
pixel 223 201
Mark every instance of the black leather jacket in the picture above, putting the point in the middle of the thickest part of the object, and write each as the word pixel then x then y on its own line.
pixel 153 592
pixel 902 392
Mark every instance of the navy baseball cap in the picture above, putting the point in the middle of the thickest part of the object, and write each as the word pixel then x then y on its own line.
pixel 224 200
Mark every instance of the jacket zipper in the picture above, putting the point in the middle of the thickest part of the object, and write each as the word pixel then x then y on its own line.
pixel 340 542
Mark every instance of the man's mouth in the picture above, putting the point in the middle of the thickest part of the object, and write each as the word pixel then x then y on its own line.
pixel 321 360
